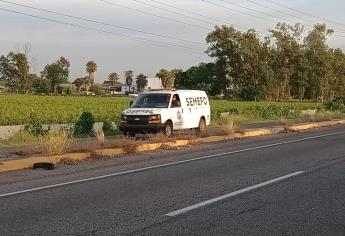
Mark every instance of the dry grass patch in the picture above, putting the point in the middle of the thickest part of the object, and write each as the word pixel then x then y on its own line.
pixel 100 136
pixel 69 161
pixel 55 143
pixel 130 145
pixel 159 138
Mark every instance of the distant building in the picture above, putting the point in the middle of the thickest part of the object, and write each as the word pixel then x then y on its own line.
pixel 153 83
pixel 121 89
pixel 2 89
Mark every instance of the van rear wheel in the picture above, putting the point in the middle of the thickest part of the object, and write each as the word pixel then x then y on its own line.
pixel 202 126
pixel 168 129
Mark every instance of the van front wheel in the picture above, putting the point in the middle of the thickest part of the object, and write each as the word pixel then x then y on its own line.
pixel 168 129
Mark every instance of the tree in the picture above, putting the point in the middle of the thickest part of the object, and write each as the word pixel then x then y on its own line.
pixel 241 69
pixel 91 68
pixel 79 82
pixel 129 79
pixel 141 82
pixel 56 73
pixel 113 79
pixel 97 89
pixel 200 77
pixel 167 78
pixel 319 60
pixel 14 72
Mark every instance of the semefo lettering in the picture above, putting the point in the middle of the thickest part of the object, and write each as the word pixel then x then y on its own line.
pixel 196 101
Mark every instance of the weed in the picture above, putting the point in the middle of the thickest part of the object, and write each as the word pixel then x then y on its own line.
pixel 22 137
pixel 100 136
pixel 55 143
pixel 129 145
pixel 34 126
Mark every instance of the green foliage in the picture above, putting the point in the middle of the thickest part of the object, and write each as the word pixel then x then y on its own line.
pixel 14 72
pixel 34 126
pixel 96 89
pixel 282 66
pixel 84 126
pixel 113 79
pixel 67 109
pixel 334 106
pixel 56 73
pixel 15 108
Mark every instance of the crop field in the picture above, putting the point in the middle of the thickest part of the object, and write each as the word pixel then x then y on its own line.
pixel 14 109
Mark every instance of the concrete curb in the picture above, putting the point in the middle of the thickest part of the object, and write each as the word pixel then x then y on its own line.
pixel 28 162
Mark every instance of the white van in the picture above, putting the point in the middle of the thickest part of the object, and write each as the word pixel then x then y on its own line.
pixel 166 110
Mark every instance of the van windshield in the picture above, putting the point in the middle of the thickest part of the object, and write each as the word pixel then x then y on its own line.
pixel 152 100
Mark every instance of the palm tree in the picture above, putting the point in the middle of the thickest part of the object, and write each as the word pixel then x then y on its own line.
pixel 129 79
pixel 166 77
pixel 141 82
pixel 91 68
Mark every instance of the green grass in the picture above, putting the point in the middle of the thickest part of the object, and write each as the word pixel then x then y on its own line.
pixel 14 109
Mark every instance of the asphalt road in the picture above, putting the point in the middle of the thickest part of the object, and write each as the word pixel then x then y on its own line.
pixel 288 184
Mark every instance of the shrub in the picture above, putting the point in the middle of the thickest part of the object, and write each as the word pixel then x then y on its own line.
pixel 108 127
pixel 34 126
pixel 84 125
pixel 55 143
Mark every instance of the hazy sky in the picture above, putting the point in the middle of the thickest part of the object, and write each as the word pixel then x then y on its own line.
pixel 113 52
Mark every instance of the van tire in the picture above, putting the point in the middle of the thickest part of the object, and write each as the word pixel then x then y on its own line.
pixel 202 126
pixel 168 129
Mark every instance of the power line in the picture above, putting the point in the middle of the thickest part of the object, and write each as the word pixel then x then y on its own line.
pixel 228 8
pixel 303 13
pixel 295 16
pixel 143 40
pixel 263 13
pixel 174 12
pixel 197 14
pixel 101 23
pixel 151 14
pixel 279 11
pixel 259 17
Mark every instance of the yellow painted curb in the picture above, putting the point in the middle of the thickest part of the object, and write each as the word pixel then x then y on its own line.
pixel 110 152
pixel 315 125
pixel 28 162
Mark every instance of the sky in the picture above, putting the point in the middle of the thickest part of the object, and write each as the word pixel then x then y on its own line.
pixel 145 35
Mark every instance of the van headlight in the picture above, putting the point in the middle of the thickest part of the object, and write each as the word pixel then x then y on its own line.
pixel 123 119
pixel 154 119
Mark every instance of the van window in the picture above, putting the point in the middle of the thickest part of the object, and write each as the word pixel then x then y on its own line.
pixel 152 100
pixel 175 102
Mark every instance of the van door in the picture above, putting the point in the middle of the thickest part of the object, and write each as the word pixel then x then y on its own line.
pixel 176 112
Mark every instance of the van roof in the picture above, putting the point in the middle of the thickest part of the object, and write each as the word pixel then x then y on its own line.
pixel 171 91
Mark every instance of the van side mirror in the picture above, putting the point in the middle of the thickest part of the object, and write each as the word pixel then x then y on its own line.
pixel 130 103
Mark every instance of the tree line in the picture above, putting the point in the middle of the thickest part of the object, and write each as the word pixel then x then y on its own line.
pixel 16 77
pixel 289 63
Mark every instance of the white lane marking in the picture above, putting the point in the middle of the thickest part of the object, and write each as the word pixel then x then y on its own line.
pixel 165 165
pixel 213 200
